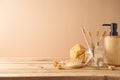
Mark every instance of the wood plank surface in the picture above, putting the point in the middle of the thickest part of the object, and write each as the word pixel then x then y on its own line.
pixel 44 68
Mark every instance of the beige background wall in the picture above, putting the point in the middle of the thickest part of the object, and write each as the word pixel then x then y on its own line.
pixel 49 28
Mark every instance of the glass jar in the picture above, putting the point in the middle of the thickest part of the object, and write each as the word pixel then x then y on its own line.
pixel 98 56
pixel 90 58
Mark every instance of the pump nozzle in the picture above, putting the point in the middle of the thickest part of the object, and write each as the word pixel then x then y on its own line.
pixel 113 27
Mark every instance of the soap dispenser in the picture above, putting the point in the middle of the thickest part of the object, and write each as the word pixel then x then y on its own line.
pixel 112 46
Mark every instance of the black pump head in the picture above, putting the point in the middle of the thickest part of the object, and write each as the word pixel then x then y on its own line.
pixel 113 29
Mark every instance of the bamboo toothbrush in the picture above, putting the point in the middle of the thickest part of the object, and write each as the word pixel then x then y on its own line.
pixel 91 39
pixel 103 34
pixel 84 34
pixel 97 35
pixel 89 52
pixel 90 36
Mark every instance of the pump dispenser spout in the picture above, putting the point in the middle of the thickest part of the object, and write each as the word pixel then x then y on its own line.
pixel 113 27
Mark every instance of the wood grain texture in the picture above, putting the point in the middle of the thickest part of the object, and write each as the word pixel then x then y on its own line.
pixel 112 50
pixel 43 69
pixel 54 78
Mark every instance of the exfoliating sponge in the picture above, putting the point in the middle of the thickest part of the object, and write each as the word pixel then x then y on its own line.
pixel 77 57
pixel 77 52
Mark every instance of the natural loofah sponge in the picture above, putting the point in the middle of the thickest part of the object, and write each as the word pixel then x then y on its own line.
pixel 76 51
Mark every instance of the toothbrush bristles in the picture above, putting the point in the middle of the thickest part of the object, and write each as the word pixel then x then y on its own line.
pixel 97 33
pixel 104 33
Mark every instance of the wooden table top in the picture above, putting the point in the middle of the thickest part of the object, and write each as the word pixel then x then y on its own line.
pixel 17 67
